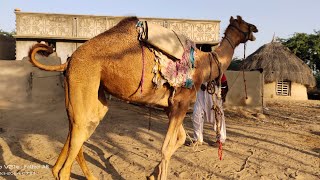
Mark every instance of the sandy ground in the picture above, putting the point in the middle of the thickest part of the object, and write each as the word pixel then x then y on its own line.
pixel 283 145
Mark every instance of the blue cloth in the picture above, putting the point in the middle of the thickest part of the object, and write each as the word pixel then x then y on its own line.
pixel 189 83
pixel 192 56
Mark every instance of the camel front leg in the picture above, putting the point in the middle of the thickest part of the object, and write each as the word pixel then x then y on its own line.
pixel 168 149
pixel 174 139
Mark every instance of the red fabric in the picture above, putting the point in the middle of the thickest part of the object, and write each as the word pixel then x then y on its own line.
pixel 223 78
pixel 220 150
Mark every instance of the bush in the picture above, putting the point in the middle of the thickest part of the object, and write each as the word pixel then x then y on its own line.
pixel 317 76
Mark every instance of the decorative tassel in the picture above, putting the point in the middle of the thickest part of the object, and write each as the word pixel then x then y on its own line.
pixel 220 149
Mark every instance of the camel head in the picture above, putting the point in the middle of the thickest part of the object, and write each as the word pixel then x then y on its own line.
pixel 245 29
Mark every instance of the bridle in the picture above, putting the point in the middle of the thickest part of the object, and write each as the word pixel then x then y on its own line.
pixel 245 34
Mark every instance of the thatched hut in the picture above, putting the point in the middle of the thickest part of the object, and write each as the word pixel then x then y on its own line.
pixel 285 75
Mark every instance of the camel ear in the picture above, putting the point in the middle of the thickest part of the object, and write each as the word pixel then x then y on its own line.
pixel 231 19
pixel 239 18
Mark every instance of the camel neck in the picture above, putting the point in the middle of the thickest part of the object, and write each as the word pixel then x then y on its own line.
pixel 225 50
pixel 224 53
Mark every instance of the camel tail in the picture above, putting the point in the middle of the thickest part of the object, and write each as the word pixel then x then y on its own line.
pixel 45 51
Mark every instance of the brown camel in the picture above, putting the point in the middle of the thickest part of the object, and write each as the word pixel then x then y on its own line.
pixel 112 62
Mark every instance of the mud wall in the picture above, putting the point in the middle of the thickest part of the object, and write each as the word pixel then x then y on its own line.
pixel 297 92
pixel 7 47
pixel 248 93
pixel 20 81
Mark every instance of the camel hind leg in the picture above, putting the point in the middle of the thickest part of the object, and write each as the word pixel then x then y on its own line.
pixel 85 108
pixel 83 165
pixel 64 152
pixel 62 157
pixel 80 157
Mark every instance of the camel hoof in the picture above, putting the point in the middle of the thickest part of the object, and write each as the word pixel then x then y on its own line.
pixel 151 177
pixel 55 173
pixel 92 178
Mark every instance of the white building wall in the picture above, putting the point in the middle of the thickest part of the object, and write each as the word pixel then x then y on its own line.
pixel 65 49
pixel 22 48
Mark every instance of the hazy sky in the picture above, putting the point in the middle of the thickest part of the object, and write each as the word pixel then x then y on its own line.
pixel 282 17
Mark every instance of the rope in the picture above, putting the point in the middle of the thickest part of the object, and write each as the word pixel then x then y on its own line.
pixel 178 39
pixel 230 42
pixel 245 162
pixel 218 64
pixel 244 78
pixel 210 59
pixel 194 145
pixel 143 67
pixel 218 117
pixel 215 106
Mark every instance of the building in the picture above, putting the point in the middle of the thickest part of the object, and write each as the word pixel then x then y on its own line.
pixel 66 32
pixel 285 75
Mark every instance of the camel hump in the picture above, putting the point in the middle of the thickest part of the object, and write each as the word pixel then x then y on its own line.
pixel 166 40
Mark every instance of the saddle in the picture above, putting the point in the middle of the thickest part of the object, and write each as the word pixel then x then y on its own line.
pixel 166 40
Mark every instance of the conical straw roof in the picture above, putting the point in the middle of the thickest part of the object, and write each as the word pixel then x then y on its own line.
pixel 279 63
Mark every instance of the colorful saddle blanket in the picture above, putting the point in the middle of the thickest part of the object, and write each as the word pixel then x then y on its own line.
pixel 176 73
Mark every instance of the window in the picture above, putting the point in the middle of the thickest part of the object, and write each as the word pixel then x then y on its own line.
pixel 283 88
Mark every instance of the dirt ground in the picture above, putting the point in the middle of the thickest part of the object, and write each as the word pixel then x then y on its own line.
pixel 285 144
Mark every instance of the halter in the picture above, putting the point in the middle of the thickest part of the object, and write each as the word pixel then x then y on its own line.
pixel 245 34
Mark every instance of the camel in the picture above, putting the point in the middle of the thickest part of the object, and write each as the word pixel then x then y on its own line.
pixel 112 62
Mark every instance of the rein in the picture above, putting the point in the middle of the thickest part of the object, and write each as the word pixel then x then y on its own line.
pixel 230 42
pixel 211 85
pixel 211 89
pixel 143 67
pixel 244 78
pixel 214 56
pixel 210 59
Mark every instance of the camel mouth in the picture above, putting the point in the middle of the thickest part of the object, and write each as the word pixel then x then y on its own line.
pixel 253 29
pixel 252 37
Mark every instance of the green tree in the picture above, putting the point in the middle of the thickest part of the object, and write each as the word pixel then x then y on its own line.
pixel 235 64
pixel 306 47
pixel 5 33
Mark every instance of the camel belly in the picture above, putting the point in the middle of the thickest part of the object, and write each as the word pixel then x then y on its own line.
pixel 123 74
pixel 128 87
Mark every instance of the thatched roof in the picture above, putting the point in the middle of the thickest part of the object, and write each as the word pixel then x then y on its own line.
pixel 279 63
